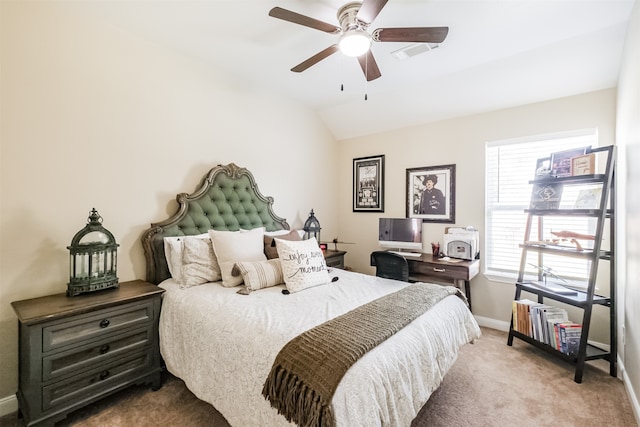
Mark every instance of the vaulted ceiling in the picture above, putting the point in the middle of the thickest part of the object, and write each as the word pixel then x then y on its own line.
pixel 498 53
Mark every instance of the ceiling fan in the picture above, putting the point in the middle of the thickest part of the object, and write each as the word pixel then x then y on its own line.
pixel 354 39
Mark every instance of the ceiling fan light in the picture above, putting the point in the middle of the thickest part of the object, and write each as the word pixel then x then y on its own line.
pixel 354 42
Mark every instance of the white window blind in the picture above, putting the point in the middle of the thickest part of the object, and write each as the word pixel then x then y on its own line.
pixel 510 165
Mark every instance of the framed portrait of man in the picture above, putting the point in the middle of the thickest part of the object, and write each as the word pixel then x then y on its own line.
pixel 368 184
pixel 431 193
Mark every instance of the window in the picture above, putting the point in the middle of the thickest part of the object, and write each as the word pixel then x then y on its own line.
pixel 510 165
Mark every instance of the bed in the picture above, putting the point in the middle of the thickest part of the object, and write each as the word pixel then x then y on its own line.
pixel 222 338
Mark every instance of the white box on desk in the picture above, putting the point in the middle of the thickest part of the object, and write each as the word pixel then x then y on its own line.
pixel 461 243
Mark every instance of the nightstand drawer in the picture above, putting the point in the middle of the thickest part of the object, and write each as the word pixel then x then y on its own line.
pixel 112 375
pixel 91 355
pixel 96 324
pixel 334 259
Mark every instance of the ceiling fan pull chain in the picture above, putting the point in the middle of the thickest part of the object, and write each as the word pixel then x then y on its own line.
pixel 366 76
pixel 342 74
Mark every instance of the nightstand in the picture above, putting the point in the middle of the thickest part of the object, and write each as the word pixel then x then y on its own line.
pixel 334 259
pixel 76 350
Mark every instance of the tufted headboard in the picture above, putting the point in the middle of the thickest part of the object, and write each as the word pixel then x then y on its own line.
pixel 226 199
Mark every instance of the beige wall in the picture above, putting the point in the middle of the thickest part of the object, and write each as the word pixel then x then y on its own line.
pixel 628 136
pixel 94 117
pixel 91 116
pixel 462 142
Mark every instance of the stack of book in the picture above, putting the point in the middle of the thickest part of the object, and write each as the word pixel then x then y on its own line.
pixel 547 324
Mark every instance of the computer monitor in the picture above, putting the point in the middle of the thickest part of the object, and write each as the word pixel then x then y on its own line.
pixel 400 233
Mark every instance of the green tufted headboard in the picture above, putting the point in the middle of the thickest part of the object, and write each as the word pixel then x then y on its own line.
pixel 226 199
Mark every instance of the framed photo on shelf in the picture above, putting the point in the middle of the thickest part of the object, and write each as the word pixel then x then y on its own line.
pixel 546 196
pixel 583 165
pixel 368 184
pixel 431 193
pixel 543 167
pixel 588 198
pixel 561 161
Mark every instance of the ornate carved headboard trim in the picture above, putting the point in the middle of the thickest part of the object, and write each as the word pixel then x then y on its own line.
pixel 226 199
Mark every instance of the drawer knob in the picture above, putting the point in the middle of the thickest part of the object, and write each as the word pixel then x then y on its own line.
pixel 104 375
pixel 439 270
pixel 105 348
pixel 104 323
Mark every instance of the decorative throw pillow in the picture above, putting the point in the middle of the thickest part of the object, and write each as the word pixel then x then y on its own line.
pixel 199 263
pixel 281 232
pixel 259 274
pixel 173 253
pixel 233 246
pixel 303 264
pixel 270 244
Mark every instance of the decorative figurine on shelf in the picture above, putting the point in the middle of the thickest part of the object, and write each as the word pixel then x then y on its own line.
pixel 93 258
pixel 335 242
pixel 572 237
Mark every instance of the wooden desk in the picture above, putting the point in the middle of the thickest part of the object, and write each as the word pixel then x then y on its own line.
pixel 428 268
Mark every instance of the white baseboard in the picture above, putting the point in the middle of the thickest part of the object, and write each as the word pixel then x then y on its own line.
pixel 8 405
pixel 493 323
pixel 633 399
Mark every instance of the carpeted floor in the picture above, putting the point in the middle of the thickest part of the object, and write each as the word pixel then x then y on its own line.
pixel 490 384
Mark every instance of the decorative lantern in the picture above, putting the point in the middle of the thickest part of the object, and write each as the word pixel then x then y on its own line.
pixel 93 258
pixel 312 227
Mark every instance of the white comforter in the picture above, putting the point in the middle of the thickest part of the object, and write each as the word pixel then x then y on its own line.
pixel 223 344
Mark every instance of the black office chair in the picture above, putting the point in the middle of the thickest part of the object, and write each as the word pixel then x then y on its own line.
pixel 390 265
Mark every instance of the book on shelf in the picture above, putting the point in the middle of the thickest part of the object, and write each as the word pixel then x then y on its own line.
pixel 569 337
pixel 572 338
pixel 547 324
pixel 522 319
pixel 546 196
pixel 588 198
pixel 535 313
pixel 551 317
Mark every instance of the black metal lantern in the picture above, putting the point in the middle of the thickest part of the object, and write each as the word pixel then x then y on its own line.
pixel 92 258
pixel 312 227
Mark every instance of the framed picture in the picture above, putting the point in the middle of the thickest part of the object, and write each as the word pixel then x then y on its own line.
pixel 431 193
pixel 368 184
pixel 561 161
pixel 546 196
pixel 583 165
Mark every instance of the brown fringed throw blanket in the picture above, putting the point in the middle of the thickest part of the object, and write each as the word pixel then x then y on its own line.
pixel 309 368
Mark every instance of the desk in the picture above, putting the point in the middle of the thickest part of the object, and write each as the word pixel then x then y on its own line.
pixel 429 268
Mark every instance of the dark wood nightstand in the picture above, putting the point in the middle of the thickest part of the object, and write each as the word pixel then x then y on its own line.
pixel 334 259
pixel 76 350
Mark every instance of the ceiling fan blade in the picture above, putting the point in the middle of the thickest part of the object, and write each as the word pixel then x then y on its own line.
pixel 369 10
pixel 296 18
pixel 315 59
pixel 411 35
pixel 369 66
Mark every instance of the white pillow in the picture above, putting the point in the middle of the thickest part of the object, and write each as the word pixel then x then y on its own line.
pixel 199 263
pixel 173 254
pixel 282 232
pixel 232 246
pixel 259 274
pixel 276 233
pixel 303 264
